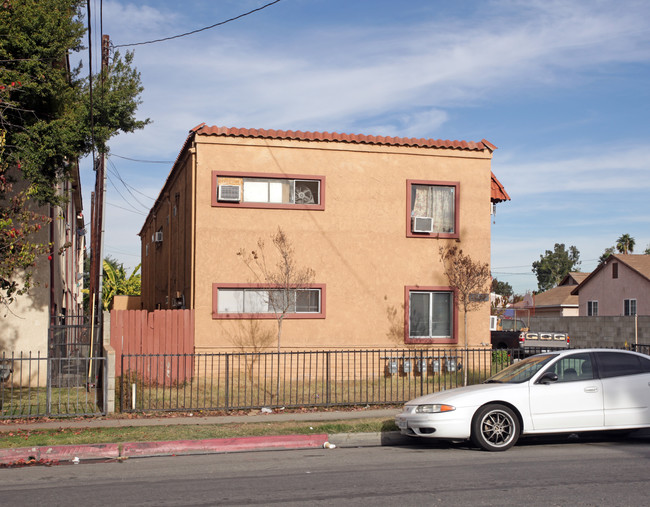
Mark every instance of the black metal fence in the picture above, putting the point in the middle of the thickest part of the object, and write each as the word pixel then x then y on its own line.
pixel 238 381
pixel 35 386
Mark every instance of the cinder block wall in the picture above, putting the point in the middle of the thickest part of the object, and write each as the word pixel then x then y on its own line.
pixel 597 331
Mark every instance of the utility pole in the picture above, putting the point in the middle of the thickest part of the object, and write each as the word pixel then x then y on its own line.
pixel 97 218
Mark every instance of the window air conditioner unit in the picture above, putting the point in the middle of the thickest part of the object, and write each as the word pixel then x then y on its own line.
pixel 422 224
pixel 157 237
pixel 231 193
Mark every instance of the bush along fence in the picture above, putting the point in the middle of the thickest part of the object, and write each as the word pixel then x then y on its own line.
pixel 237 381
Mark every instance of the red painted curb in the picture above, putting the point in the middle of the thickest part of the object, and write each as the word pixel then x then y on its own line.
pixel 60 452
pixel 223 445
pixel 135 449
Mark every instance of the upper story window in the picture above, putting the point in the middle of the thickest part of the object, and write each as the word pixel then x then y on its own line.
pixel 268 191
pixel 433 209
pixel 615 270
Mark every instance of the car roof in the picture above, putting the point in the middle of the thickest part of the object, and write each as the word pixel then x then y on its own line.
pixel 565 352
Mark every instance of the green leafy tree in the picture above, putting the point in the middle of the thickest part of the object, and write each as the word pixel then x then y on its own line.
pixel 606 254
pixel 647 250
pixel 555 265
pixel 625 244
pixel 117 283
pixel 502 288
pixel 46 118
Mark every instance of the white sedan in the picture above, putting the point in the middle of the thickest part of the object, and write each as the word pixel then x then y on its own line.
pixel 556 392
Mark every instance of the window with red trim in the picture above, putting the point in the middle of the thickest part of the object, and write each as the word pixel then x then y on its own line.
pixel 261 190
pixel 260 301
pixel 432 209
pixel 430 314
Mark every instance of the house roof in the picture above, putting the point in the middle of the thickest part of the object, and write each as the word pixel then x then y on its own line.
pixel 574 278
pixel 299 135
pixel 498 192
pixel 557 296
pixel 636 262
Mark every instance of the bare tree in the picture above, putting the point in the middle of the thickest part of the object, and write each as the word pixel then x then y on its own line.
pixel 252 338
pixel 470 279
pixel 283 279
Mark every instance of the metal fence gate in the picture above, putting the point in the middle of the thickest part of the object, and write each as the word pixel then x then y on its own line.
pixel 70 381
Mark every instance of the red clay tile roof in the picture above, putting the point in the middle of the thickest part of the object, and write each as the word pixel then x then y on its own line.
pixel 498 192
pixel 203 129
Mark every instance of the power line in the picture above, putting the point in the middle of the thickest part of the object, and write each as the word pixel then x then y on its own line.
pixel 129 187
pixel 141 160
pixel 200 29
pixel 127 209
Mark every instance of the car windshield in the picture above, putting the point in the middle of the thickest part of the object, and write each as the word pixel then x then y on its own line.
pixel 521 371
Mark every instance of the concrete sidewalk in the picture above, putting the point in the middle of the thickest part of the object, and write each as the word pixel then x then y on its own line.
pixel 197 419
pixel 76 453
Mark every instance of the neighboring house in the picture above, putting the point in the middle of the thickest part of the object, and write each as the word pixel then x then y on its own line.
pixel 56 291
pixel 559 301
pixel 368 214
pixel 618 286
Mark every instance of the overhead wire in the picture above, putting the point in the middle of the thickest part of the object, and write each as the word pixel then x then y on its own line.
pixel 128 187
pixel 200 29
pixel 141 160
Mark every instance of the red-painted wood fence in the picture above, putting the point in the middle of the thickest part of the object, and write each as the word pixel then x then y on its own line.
pixel 167 334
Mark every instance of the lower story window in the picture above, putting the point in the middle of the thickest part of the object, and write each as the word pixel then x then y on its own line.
pixel 592 308
pixel 431 314
pixel 263 301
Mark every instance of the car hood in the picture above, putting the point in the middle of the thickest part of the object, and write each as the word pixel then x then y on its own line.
pixel 470 395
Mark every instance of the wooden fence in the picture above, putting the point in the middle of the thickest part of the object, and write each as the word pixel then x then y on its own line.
pixel 155 333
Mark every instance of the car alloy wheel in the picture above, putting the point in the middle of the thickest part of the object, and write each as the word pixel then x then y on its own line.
pixel 495 428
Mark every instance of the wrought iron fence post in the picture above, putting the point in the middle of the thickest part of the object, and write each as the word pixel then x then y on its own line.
pixel 48 389
pixel 327 378
pixel 421 364
pixel 227 402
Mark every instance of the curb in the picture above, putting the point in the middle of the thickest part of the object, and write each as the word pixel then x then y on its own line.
pixel 74 453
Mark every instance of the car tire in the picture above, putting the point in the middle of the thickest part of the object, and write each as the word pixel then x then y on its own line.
pixel 495 427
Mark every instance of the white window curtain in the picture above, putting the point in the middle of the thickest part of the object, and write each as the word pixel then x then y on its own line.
pixel 435 202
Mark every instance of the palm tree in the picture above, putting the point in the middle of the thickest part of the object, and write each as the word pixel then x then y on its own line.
pixel 625 244
pixel 116 282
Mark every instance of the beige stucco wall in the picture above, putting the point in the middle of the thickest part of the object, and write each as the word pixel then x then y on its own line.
pixel 611 292
pixel 55 290
pixel 357 245
pixel 126 303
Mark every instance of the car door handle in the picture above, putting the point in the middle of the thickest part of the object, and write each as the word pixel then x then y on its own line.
pixel 591 389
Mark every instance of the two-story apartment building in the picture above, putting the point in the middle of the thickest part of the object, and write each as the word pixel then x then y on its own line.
pixel 367 214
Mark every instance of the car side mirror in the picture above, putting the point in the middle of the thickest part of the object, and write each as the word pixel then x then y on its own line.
pixel 548 378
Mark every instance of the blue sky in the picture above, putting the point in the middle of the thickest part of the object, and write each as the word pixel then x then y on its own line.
pixel 562 88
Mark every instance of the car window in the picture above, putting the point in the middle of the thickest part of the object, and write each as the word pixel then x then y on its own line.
pixel 616 364
pixel 572 368
pixel 523 370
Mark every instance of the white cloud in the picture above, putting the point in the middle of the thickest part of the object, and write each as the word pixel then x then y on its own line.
pixel 412 77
